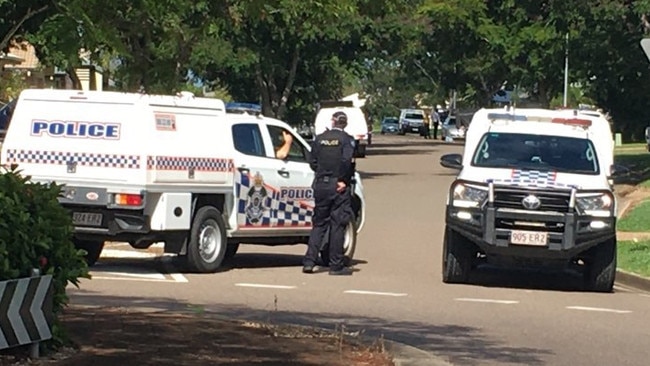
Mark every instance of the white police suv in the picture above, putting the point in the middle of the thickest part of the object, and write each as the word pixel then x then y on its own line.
pixel 534 190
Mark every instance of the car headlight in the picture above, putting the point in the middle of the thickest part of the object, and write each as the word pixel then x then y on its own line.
pixel 469 195
pixel 595 204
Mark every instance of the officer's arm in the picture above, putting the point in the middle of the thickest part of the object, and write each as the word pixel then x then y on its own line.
pixel 313 156
pixel 345 171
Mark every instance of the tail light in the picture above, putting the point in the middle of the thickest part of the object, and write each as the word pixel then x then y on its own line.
pixel 123 199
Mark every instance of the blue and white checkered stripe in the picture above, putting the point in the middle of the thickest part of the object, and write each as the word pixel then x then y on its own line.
pixel 82 159
pixel 277 213
pixel 184 163
pixel 532 178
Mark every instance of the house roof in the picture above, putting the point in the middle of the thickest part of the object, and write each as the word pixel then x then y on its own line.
pixel 26 53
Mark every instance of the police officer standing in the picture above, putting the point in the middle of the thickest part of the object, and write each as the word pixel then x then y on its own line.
pixel 331 160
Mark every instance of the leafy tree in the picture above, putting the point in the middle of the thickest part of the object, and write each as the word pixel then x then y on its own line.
pixel 21 17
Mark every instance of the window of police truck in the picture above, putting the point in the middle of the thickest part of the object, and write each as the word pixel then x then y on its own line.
pixel 527 151
pixel 296 151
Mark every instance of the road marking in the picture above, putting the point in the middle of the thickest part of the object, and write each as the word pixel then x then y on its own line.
pixel 491 301
pixel 604 310
pixel 259 285
pixel 129 279
pixel 360 292
pixel 169 268
pixel 148 276
pixel 115 253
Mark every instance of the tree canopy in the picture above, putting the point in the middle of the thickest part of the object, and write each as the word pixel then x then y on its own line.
pixel 288 55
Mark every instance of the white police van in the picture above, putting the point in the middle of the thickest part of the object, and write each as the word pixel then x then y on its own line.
pixel 144 169
pixel 357 124
pixel 534 189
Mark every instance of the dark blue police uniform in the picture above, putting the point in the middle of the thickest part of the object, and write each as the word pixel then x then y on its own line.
pixel 331 160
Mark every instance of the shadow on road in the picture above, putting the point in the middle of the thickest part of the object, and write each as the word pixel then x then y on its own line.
pixel 461 344
pixel 564 281
pixel 373 175
pixel 384 151
pixel 146 266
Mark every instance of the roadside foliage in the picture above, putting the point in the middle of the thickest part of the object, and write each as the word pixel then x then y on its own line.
pixel 36 233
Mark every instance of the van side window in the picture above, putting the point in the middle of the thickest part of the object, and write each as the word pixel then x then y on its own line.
pixel 285 146
pixel 248 139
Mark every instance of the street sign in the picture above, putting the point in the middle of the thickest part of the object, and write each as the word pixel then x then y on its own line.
pixel 25 311
pixel 645 44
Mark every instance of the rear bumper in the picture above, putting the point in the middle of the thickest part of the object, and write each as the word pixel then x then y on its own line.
pixel 118 225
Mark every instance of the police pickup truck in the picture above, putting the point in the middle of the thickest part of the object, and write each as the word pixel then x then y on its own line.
pixel 178 169
pixel 534 190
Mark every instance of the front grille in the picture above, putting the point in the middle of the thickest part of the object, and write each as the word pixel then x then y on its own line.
pixel 510 197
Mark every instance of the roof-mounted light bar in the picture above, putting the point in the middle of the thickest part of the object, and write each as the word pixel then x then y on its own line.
pixel 585 123
pixel 240 108
pixel 573 122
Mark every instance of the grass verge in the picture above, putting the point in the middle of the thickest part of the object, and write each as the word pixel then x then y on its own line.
pixel 636 220
pixel 634 257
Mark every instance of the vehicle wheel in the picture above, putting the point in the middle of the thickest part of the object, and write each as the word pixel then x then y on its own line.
pixel 382 133
pixel 600 267
pixel 206 249
pixel 349 246
pixel 231 250
pixel 93 250
pixel 457 258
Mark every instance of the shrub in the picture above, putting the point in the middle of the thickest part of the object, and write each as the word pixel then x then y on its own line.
pixel 36 232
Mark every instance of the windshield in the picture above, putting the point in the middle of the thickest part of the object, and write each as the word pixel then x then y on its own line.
pixel 413 116
pixel 451 121
pixel 389 121
pixel 525 151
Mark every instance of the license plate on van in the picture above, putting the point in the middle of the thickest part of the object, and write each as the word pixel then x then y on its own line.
pixel 87 219
pixel 534 238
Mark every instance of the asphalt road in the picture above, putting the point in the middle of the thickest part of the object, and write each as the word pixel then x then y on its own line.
pixel 517 318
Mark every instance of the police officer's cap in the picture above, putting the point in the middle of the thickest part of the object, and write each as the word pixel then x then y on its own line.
pixel 340 119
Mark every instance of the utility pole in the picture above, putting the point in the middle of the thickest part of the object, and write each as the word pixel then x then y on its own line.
pixel 566 70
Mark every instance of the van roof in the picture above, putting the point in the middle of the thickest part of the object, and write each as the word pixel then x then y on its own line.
pixel 184 99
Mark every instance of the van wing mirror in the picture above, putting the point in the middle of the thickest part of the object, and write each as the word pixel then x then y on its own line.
pixel 452 161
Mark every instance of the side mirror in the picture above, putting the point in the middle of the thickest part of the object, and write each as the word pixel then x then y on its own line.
pixel 452 161
pixel 617 171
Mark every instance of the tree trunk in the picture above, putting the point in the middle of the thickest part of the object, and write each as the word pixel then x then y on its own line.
pixel 72 74
pixel 282 103
pixel 262 85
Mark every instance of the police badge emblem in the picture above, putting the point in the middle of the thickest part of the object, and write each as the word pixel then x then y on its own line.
pixel 256 201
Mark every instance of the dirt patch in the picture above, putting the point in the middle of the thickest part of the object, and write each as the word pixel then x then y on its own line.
pixel 110 336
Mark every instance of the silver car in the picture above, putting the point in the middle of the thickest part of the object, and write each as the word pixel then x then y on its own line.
pixel 452 128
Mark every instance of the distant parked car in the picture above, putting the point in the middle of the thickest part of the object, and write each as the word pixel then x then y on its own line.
pixel 453 128
pixel 389 125
pixel 410 120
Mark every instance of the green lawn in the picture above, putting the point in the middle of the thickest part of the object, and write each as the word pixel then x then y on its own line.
pixel 634 257
pixel 636 220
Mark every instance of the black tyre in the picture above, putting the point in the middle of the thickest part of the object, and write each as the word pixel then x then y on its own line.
pixel 600 267
pixel 206 249
pixel 231 250
pixel 349 246
pixel 458 256
pixel 93 250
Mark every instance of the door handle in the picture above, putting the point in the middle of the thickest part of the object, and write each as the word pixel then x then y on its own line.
pixel 243 169
pixel 283 173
